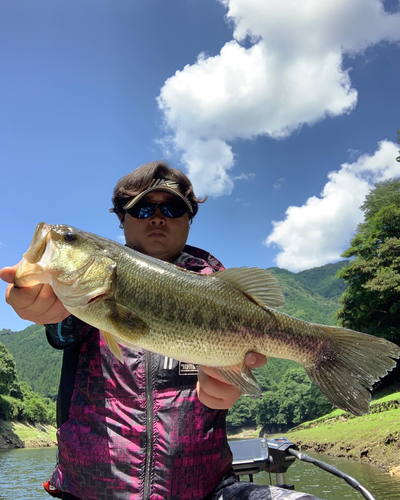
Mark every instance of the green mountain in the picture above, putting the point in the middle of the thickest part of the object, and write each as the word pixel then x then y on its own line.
pixel 37 362
pixel 311 295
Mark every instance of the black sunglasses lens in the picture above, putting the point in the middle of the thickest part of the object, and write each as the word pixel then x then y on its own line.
pixel 142 210
pixel 172 209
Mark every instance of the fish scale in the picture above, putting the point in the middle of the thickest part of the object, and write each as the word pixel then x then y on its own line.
pixel 213 320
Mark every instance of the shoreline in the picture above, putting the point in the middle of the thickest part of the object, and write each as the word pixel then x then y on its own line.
pixel 14 435
pixel 383 451
pixel 244 433
pixel 374 453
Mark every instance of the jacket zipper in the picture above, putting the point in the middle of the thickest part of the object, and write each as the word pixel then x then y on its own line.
pixel 149 427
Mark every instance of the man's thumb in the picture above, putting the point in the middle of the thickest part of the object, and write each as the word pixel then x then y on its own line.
pixel 7 273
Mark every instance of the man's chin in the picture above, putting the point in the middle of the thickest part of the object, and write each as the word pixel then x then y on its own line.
pixel 160 250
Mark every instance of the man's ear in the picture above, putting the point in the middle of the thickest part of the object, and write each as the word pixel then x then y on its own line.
pixel 121 218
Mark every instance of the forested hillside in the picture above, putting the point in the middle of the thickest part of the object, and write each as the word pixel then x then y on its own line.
pixel 311 295
pixel 37 363
pixel 18 401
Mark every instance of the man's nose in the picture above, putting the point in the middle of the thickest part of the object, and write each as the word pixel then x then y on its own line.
pixel 158 217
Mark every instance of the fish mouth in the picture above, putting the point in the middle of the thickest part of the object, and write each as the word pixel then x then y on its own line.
pixel 31 268
pixel 38 243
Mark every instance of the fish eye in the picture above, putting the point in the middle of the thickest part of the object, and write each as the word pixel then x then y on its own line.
pixel 70 237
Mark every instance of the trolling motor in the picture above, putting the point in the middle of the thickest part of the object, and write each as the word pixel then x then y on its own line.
pixel 251 456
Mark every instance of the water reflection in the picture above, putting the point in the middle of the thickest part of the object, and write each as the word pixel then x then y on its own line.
pixel 311 479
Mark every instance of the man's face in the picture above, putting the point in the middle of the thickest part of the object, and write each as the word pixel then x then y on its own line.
pixel 158 236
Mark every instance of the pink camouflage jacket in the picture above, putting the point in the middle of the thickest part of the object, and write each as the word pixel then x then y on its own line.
pixel 135 430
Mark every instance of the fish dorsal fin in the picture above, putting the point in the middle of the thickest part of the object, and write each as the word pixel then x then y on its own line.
pixel 259 284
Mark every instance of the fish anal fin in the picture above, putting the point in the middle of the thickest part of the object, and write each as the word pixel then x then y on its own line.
pixel 112 344
pixel 260 285
pixel 241 377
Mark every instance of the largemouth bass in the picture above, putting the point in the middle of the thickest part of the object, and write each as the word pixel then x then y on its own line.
pixel 212 320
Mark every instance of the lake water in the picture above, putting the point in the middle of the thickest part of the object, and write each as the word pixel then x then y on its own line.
pixel 23 471
pixel 311 479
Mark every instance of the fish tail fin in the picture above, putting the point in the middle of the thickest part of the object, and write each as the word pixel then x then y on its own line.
pixel 355 361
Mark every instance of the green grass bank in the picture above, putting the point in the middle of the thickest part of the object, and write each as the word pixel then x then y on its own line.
pixel 373 438
pixel 24 435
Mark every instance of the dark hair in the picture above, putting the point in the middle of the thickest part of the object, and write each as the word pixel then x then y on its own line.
pixel 140 179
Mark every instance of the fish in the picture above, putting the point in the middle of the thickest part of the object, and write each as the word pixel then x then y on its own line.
pixel 212 320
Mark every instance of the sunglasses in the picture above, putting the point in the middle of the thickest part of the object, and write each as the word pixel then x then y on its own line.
pixel 144 209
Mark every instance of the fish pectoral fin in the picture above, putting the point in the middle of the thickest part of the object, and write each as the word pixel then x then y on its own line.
pixel 261 286
pixel 241 377
pixel 128 325
pixel 112 344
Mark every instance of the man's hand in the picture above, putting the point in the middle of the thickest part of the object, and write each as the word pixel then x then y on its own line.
pixel 36 303
pixel 215 392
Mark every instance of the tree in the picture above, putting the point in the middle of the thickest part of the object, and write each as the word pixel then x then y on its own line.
pixel 8 371
pixel 371 303
pixel 269 409
pixel 35 407
pixel 398 142
pixel 293 401
pixel 243 413
pixel 17 400
pixel 9 386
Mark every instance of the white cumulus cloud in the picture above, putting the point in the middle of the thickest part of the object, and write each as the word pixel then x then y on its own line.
pixel 290 74
pixel 319 231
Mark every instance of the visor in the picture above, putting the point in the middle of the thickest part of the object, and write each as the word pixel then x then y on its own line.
pixel 166 185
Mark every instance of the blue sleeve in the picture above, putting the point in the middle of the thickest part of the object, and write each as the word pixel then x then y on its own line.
pixel 67 333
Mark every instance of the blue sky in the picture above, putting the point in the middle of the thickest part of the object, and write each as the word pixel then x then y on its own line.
pixel 284 113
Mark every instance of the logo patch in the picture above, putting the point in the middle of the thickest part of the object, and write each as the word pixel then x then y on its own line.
pixel 188 368
pixel 184 368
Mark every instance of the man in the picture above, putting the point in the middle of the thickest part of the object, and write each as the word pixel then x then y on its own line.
pixel 151 428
